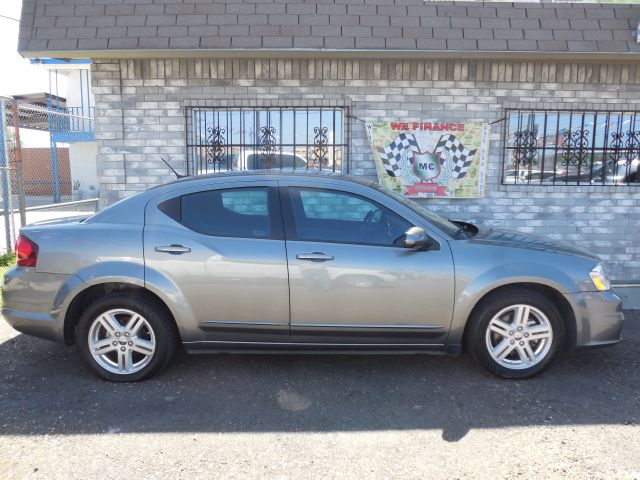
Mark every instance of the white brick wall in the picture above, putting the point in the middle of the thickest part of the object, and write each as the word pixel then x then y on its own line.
pixel 140 117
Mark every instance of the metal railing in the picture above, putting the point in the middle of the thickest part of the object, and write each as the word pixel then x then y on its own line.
pixel 72 119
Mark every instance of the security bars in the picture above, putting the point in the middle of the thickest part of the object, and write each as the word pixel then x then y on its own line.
pixel 556 147
pixel 266 138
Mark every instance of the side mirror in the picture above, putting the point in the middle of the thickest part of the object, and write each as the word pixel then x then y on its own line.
pixel 418 239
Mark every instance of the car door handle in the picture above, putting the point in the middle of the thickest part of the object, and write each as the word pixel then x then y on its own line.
pixel 173 249
pixel 314 257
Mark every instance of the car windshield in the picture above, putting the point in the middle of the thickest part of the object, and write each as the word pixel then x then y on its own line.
pixel 443 224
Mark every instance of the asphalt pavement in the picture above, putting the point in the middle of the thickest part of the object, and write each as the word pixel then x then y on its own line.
pixel 251 416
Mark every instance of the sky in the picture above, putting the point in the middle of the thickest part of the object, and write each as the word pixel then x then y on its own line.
pixel 17 75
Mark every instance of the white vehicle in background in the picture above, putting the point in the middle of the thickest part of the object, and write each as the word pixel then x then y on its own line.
pixel 525 176
pixel 255 160
pixel 515 176
pixel 621 173
pixel 625 172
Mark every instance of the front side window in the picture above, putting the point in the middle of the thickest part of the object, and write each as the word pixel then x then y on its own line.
pixel 324 215
pixel 557 147
pixel 236 212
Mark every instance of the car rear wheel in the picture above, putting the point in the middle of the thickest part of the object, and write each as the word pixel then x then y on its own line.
pixel 515 333
pixel 125 338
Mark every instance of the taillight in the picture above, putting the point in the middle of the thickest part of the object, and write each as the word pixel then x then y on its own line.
pixel 26 252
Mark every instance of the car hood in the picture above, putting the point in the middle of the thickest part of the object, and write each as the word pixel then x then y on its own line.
pixel 508 238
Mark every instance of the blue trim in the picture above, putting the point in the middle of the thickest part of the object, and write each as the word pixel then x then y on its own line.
pixel 73 137
pixel 58 61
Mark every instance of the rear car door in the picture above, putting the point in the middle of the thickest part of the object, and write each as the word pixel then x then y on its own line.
pixel 350 281
pixel 222 249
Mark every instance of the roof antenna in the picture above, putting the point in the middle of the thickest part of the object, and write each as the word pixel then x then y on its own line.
pixel 178 176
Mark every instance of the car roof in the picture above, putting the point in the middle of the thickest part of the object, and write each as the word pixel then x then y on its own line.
pixel 267 174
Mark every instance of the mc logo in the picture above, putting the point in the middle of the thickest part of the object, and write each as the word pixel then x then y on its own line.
pixel 426 165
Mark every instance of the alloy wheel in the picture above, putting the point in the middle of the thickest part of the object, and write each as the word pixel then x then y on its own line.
pixel 121 341
pixel 519 336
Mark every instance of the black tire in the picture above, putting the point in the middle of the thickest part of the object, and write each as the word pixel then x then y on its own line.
pixel 161 324
pixel 476 335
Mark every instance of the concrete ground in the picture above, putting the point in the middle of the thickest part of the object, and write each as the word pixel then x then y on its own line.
pixel 319 417
pixel 630 296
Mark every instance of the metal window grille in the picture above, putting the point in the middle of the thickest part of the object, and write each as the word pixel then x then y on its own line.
pixel 556 147
pixel 266 138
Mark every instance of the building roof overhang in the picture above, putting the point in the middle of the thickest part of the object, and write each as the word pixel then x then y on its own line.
pixel 598 57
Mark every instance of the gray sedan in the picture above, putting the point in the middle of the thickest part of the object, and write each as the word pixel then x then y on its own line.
pixel 300 263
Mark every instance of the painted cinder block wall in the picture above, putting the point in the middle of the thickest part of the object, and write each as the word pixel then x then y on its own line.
pixel 140 116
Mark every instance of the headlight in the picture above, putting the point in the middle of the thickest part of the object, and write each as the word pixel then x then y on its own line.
pixel 599 278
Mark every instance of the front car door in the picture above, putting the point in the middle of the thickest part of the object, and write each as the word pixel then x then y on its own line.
pixel 350 281
pixel 221 251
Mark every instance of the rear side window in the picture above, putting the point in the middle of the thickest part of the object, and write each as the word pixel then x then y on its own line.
pixel 234 212
pixel 246 201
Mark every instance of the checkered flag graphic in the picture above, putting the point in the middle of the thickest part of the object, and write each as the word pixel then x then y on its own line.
pixel 450 148
pixel 392 153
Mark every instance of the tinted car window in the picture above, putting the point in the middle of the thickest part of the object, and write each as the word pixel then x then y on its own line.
pixel 246 201
pixel 237 212
pixel 335 216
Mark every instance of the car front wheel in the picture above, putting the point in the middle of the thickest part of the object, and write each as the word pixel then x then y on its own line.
pixel 516 333
pixel 125 338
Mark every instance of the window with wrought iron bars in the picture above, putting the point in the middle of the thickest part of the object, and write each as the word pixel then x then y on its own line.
pixel 266 138
pixel 556 147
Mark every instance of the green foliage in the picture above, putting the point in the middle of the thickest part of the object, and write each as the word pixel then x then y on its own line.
pixel 7 260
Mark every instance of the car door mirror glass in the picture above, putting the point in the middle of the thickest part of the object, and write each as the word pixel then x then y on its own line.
pixel 418 239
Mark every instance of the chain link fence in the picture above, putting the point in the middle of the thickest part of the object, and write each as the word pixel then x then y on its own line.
pixel 47 164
